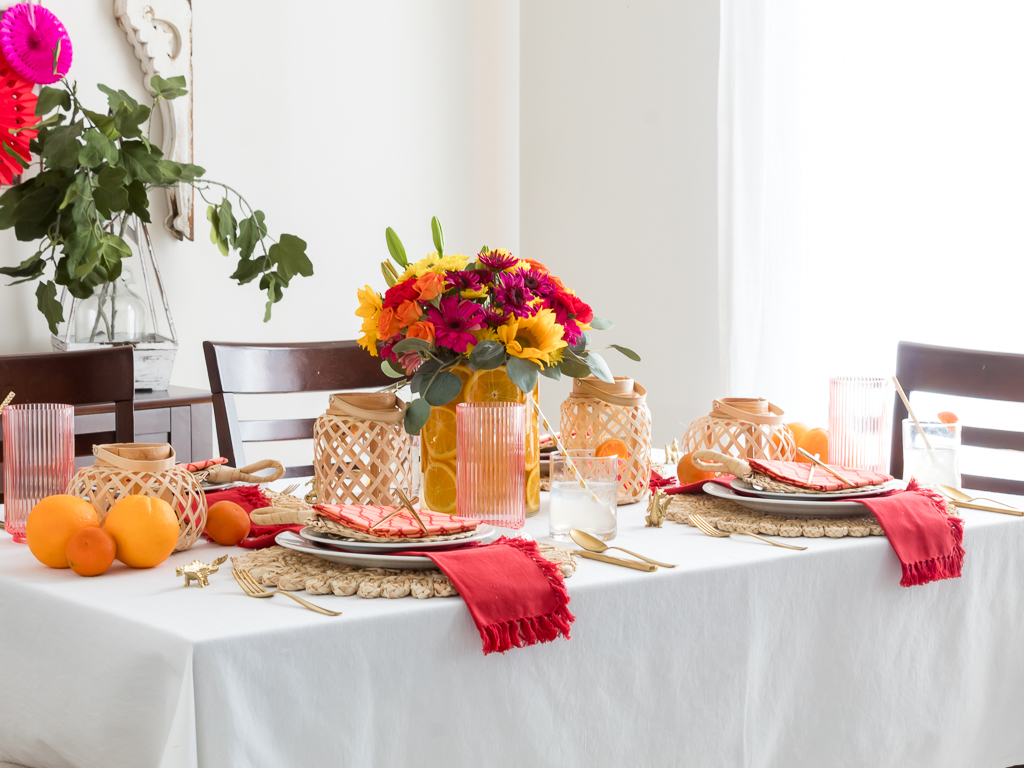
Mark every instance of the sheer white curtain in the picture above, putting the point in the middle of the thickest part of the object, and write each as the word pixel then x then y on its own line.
pixel 871 187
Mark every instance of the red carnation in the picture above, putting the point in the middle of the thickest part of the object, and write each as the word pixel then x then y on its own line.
pixel 404 291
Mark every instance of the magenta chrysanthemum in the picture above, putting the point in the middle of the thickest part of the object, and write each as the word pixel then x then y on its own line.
pixel 538 283
pixel 463 280
pixel 494 316
pixel 453 320
pixel 512 295
pixel 571 333
pixel 499 260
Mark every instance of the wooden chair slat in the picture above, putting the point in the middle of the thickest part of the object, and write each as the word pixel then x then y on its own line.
pixel 269 431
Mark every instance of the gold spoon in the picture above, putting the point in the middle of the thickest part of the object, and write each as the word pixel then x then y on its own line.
pixel 961 499
pixel 594 544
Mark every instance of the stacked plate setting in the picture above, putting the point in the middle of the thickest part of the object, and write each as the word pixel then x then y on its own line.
pixel 381 553
pixel 833 504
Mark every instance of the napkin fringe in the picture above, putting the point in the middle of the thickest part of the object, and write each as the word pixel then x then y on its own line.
pixel 945 567
pixel 529 630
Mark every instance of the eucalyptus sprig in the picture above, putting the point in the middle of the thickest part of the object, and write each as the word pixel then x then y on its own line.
pixel 95 170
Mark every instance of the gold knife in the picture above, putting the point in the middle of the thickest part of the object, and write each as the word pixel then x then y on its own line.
pixel 961 499
pixel 615 560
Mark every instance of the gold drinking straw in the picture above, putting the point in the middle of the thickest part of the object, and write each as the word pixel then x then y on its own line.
pixel 7 400
pixel 558 442
pixel 906 402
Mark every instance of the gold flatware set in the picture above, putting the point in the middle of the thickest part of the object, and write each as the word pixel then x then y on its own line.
pixel 250 586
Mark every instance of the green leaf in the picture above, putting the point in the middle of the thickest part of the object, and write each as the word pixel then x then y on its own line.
pixel 389 370
pixel 190 172
pixel 138 200
pixel 51 98
pixel 56 53
pixel 573 368
pixel 248 235
pixel 46 301
pixel 438 234
pixel 215 238
pixel 626 351
pixel 10 151
pixel 29 269
pixel 523 373
pixel 487 355
pixel 116 98
pixel 411 345
pixel 388 277
pixel 226 222
pixel 599 367
pixel 98 148
pixel 141 162
pixel 62 145
pixel 129 120
pixel 110 195
pixel 171 88
pixel 551 372
pixel 444 388
pixel 247 270
pixel 600 324
pixel 104 124
pixel 395 248
pixel 416 415
pixel 289 254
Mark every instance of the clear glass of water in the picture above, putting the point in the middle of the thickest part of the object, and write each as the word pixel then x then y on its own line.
pixel 591 508
pixel 939 464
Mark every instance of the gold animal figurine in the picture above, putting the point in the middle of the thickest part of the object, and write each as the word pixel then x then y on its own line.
pixel 656 509
pixel 199 572
pixel 673 453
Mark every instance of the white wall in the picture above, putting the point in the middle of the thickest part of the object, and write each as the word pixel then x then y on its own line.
pixel 618 182
pixel 337 119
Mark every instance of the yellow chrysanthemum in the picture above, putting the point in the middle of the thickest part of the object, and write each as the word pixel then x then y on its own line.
pixel 486 333
pixel 370 305
pixel 432 263
pixel 534 338
pixel 477 294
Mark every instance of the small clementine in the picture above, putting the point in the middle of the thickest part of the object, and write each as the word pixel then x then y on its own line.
pixel 52 522
pixel 612 447
pixel 145 530
pixel 91 551
pixel 227 523
pixel 687 472
pixel 815 442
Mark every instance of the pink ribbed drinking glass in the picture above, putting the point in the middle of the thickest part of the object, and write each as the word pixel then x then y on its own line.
pixel 492 462
pixel 39 458
pixel 857 415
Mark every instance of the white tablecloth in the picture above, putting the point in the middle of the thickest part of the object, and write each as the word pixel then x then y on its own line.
pixel 744 655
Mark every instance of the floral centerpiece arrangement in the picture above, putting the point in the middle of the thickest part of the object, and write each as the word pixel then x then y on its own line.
pixel 467 328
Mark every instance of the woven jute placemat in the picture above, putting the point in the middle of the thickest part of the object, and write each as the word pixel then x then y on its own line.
pixel 296 571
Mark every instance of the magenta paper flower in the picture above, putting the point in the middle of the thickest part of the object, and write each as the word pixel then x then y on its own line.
pixel 29 36
pixel 498 259
pixel 453 320
pixel 512 295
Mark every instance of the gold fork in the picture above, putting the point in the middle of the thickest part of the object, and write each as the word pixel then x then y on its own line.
pixel 252 589
pixel 289 489
pixel 717 533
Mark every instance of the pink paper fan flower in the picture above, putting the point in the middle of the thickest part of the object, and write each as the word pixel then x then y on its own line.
pixel 29 36
pixel 453 320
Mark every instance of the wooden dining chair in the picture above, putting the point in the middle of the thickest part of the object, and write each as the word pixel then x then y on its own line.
pixel 77 378
pixel 963 373
pixel 249 369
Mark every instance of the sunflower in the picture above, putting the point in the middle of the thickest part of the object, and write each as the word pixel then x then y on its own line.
pixel 370 305
pixel 537 338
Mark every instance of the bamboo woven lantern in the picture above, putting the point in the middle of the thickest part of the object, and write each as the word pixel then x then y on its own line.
pixel 143 469
pixel 361 451
pixel 747 428
pixel 596 411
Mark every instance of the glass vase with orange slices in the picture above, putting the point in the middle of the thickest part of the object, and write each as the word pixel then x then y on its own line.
pixel 484 328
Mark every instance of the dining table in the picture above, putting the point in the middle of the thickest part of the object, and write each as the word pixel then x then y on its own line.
pixel 743 655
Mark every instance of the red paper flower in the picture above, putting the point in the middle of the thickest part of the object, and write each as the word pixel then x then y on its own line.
pixel 17 110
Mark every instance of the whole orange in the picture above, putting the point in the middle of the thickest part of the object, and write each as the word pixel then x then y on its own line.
pixel 91 551
pixel 227 523
pixel 145 530
pixel 612 447
pixel 815 442
pixel 687 472
pixel 52 522
pixel 799 429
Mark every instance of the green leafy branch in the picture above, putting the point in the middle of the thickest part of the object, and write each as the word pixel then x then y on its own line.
pixel 95 171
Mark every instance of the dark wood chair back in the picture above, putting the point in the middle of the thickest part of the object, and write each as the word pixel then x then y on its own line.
pixel 76 378
pixel 323 366
pixel 964 373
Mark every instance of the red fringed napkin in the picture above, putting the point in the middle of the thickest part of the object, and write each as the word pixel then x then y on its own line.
pixel 515 596
pixel 668 484
pixel 250 497
pixel 927 541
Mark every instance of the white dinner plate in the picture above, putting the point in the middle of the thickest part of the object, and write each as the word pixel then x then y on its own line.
pixel 744 487
pixel 358 559
pixel 483 535
pixel 789 507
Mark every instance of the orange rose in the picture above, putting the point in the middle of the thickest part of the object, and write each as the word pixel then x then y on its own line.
pixel 408 313
pixel 430 286
pixel 388 324
pixel 421 330
pixel 537 266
